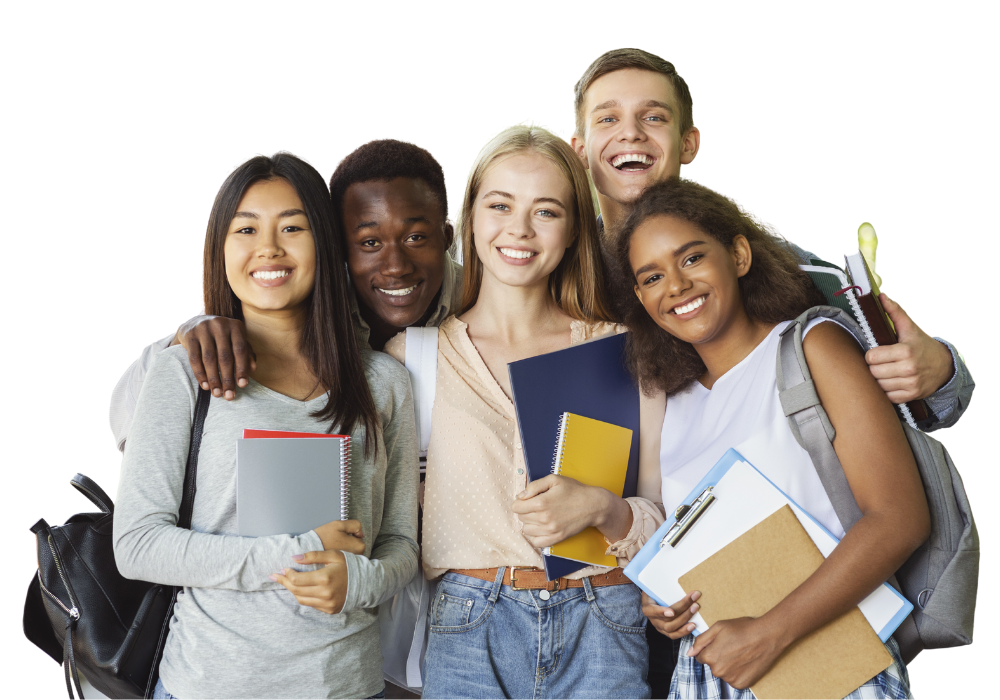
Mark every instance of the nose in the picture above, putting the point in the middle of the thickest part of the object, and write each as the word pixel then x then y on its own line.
pixel 677 283
pixel 268 245
pixel 394 261
pixel 519 226
pixel 631 130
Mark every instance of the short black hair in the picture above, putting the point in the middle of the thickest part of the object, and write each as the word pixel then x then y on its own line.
pixel 384 160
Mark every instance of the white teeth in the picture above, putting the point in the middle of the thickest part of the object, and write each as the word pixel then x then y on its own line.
pixel 689 307
pixel 269 274
pixel 516 254
pixel 631 158
pixel 397 292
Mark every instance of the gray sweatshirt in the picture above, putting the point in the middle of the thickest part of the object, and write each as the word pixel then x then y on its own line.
pixel 234 632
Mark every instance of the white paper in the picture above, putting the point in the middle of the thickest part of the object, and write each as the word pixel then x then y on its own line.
pixel 743 499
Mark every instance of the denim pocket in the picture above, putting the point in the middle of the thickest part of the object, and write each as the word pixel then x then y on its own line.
pixel 620 608
pixel 457 607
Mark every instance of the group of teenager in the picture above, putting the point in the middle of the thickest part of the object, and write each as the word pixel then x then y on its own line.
pixel 308 290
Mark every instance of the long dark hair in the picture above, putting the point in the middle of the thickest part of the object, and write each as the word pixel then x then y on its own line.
pixel 773 290
pixel 328 338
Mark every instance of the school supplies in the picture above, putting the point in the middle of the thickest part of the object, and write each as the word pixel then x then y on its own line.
pixel 856 292
pixel 594 453
pixel 942 576
pixel 731 499
pixel 590 380
pixel 756 571
pixel 290 483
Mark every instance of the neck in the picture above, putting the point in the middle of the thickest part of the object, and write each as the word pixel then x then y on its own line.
pixel 730 346
pixel 613 214
pixel 514 314
pixel 275 336
pixel 381 331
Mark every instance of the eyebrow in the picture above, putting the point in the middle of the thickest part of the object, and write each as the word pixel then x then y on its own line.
pixel 677 253
pixel 508 195
pixel 408 220
pixel 253 215
pixel 615 103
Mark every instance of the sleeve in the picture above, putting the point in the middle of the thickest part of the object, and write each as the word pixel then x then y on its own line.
pixel 126 393
pixel 950 401
pixel 394 554
pixel 646 519
pixel 148 545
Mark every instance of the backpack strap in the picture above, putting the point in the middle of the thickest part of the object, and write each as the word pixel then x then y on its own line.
pixel 808 421
pixel 421 363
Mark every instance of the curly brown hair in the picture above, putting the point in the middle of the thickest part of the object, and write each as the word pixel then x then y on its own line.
pixel 773 290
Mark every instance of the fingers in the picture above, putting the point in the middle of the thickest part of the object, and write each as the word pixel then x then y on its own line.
pixel 887 355
pixel 538 486
pixel 703 640
pixel 343 535
pixel 674 621
pixel 245 360
pixel 219 353
pixel 328 556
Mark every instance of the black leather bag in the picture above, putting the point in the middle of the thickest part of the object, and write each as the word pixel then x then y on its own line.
pixel 86 615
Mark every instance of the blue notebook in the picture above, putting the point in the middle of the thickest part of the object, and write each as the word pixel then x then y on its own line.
pixel 735 511
pixel 589 380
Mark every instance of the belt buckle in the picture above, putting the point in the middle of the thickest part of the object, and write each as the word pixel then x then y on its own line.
pixel 513 580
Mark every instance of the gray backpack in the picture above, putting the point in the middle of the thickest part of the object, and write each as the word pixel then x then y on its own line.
pixel 942 576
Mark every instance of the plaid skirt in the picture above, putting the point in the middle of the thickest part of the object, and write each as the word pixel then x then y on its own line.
pixel 695 680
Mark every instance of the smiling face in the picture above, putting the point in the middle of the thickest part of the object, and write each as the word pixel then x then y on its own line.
pixel 688 281
pixel 396 241
pixel 269 250
pixel 632 136
pixel 522 222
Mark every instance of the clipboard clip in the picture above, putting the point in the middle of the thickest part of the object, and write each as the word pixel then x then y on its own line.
pixel 687 516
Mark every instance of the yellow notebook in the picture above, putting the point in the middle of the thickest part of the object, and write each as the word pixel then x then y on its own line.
pixel 594 453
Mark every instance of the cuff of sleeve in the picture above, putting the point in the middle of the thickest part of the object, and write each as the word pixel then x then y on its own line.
pixel 353 585
pixel 646 519
pixel 942 401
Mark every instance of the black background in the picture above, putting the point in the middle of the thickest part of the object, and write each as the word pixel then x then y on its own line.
pixel 814 140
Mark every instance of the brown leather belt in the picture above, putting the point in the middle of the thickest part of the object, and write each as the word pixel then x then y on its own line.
pixel 532 579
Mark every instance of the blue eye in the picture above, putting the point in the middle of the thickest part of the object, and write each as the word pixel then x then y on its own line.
pixel 499 206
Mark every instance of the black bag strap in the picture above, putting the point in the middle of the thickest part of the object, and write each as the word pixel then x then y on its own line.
pixel 94 492
pixel 191 473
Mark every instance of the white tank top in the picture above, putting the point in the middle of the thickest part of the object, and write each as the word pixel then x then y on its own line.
pixel 741 411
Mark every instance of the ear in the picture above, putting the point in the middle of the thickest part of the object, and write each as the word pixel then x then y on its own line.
pixel 742 255
pixel 638 294
pixel 580 146
pixel 690 143
pixel 449 235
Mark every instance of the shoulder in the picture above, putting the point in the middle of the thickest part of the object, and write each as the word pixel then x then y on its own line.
pixel 582 331
pixel 171 366
pixel 388 380
pixel 828 345
pixel 396 347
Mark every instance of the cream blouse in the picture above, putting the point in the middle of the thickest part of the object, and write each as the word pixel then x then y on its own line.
pixel 476 467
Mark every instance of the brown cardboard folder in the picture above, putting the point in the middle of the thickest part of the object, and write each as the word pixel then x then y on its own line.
pixel 755 572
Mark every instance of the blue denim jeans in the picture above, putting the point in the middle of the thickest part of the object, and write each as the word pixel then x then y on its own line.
pixel 488 640
pixel 160 693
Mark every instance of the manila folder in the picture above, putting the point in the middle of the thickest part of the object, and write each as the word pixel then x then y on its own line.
pixel 755 572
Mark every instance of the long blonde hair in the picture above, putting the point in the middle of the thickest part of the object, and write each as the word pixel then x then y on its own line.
pixel 577 283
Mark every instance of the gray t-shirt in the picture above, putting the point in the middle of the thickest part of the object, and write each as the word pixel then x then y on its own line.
pixel 235 633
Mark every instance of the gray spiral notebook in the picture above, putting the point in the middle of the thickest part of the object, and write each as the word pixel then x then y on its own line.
pixel 290 483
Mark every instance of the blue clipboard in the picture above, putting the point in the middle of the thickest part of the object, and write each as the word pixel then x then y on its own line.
pixel 652 547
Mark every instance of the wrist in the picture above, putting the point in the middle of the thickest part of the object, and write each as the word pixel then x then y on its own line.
pixel 775 632
pixel 946 365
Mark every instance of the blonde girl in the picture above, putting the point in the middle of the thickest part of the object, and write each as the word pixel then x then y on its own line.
pixel 533 284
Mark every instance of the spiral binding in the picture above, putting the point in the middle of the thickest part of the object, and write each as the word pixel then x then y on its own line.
pixel 560 435
pixel 345 477
pixel 852 299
